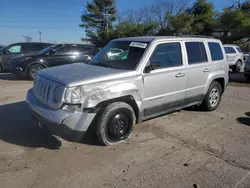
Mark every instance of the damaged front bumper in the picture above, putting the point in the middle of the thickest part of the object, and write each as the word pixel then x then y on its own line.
pixel 62 123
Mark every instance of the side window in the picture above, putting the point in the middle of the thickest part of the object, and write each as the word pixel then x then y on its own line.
pixel 196 52
pixel 216 52
pixel 61 51
pixel 167 55
pixel 15 49
pixel 79 49
pixel 230 50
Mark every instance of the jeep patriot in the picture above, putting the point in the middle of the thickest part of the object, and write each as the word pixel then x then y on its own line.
pixel 152 76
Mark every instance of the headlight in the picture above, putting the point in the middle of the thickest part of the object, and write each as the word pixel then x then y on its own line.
pixel 73 96
pixel 24 59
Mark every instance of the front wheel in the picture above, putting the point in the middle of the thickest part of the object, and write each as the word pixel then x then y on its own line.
pixel 213 97
pixel 33 71
pixel 237 67
pixel 247 77
pixel 115 124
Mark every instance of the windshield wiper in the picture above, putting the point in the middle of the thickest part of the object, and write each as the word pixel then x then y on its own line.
pixel 103 65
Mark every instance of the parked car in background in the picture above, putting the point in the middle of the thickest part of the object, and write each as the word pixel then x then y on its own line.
pixel 246 56
pixel 235 57
pixel 1 47
pixel 113 52
pixel 154 76
pixel 55 55
pixel 18 49
pixel 247 69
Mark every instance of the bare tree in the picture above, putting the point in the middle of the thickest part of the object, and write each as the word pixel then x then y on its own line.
pixel 157 13
pixel 27 38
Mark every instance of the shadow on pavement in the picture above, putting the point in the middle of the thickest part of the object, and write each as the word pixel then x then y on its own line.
pixel 18 127
pixel 244 120
pixel 238 78
pixel 8 76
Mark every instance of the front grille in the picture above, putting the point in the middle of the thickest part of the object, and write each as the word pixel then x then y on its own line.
pixel 43 90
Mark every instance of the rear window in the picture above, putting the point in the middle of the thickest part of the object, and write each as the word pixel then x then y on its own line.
pixel 230 50
pixel 216 52
pixel 239 50
pixel 196 52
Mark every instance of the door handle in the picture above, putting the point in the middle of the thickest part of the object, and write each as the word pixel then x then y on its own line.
pixel 179 75
pixel 206 70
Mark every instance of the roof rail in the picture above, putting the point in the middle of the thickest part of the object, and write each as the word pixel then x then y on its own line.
pixel 197 36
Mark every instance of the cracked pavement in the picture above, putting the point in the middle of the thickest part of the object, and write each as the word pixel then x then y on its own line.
pixel 190 148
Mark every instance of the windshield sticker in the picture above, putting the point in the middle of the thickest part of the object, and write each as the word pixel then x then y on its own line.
pixel 138 44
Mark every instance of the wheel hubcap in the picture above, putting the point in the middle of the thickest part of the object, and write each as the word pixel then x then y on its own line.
pixel 238 67
pixel 214 97
pixel 118 127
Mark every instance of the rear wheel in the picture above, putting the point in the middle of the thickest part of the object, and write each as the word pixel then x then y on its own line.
pixel 213 97
pixel 33 71
pixel 237 67
pixel 115 124
pixel 1 69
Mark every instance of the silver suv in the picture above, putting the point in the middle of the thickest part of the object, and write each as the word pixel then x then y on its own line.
pixel 235 57
pixel 156 76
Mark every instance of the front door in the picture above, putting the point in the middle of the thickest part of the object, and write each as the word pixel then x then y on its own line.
pixel 10 53
pixel 165 87
pixel 59 57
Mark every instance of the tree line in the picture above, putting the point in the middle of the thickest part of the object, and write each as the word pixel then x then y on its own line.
pixel 102 22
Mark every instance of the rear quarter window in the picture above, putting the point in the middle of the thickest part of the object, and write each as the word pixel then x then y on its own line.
pixel 215 50
pixel 230 50
pixel 239 50
pixel 196 52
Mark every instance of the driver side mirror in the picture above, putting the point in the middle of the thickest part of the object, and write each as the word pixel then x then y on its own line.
pixel 151 67
pixel 5 52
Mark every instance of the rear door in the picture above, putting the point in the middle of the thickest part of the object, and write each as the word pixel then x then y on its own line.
pixel 231 55
pixel 198 69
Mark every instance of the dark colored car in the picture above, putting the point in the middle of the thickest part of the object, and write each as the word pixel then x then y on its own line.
pixel 55 55
pixel 247 69
pixel 18 49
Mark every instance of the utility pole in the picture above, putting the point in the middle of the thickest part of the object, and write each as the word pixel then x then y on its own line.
pixel 106 17
pixel 40 36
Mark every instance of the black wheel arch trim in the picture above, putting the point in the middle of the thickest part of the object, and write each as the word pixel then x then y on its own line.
pixel 34 63
pixel 129 99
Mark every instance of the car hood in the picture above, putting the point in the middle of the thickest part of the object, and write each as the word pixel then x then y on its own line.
pixel 80 73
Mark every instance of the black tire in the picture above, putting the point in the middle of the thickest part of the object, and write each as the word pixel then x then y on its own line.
pixel 237 67
pixel 211 102
pixel 115 123
pixel 1 69
pixel 247 77
pixel 33 70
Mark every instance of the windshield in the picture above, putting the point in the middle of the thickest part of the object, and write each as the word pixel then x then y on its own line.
pixel 120 55
pixel 49 49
